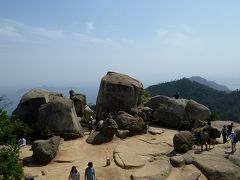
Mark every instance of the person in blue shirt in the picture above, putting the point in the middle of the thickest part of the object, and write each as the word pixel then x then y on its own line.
pixel 90 172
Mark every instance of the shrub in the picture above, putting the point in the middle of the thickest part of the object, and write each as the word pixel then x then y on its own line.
pixel 10 130
pixel 145 97
pixel 10 168
pixel 214 116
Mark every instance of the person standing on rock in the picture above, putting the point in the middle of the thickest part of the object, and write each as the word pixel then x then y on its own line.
pixel 74 174
pixel 90 125
pixel 224 134
pixel 90 172
pixel 229 129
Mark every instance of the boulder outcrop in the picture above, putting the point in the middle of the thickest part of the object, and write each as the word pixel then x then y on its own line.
pixel 27 109
pixel 45 150
pixel 109 127
pixel 117 92
pixel 97 138
pixel 177 112
pixel 135 125
pixel 59 117
pixel 183 141
pixel 51 112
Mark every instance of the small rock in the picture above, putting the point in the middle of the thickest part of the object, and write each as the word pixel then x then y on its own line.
pixel 177 161
pixel 187 158
pixel 194 176
pixel 122 133
pixel 29 178
pixel 155 131
pixel 43 173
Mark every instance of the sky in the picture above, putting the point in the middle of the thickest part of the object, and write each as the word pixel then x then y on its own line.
pixel 75 43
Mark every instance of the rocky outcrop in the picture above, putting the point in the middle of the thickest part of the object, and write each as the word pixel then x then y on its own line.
pixel 135 125
pixel 27 109
pixel 157 170
pixel 109 127
pixel 177 112
pixel 215 166
pixel 117 92
pixel 59 117
pixel 45 150
pixel 183 141
pixel 51 112
pixel 128 157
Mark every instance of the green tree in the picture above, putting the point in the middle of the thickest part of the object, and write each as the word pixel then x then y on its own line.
pixel 145 97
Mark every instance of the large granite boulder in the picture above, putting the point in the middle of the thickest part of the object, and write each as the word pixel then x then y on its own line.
pixel 97 138
pixel 45 150
pixel 183 141
pixel 177 112
pixel 196 111
pixel 109 127
pixel 59 117
pixel 117 92
pixel 79 101
pixel 135 125
pixel 27 109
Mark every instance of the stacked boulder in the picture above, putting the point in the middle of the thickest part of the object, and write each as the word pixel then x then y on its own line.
pixel 53 113
pixel 106 132
pixel 117 92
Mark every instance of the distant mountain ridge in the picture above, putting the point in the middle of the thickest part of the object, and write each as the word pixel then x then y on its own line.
pixel 211 84
pixel 226 104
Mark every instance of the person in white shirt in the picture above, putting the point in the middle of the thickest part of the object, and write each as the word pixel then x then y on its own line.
pixel 22 142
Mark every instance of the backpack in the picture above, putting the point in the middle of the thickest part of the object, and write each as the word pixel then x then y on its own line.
pixel 235 139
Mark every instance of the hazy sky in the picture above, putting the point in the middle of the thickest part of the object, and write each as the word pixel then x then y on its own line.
pixel 60 42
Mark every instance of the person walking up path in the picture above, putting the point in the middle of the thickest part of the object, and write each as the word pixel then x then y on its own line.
pixel 90 172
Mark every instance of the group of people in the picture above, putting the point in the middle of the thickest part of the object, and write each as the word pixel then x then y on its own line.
pixel 89 173
pixel 229 134
pixel 207 135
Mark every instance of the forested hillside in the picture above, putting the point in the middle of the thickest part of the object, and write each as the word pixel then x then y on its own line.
pixel 227 105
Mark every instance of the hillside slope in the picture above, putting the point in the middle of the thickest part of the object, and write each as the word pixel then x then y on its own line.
pixel 227 105
pixel 211 84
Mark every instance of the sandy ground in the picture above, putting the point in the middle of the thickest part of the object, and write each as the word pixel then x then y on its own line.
pixel 79 153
